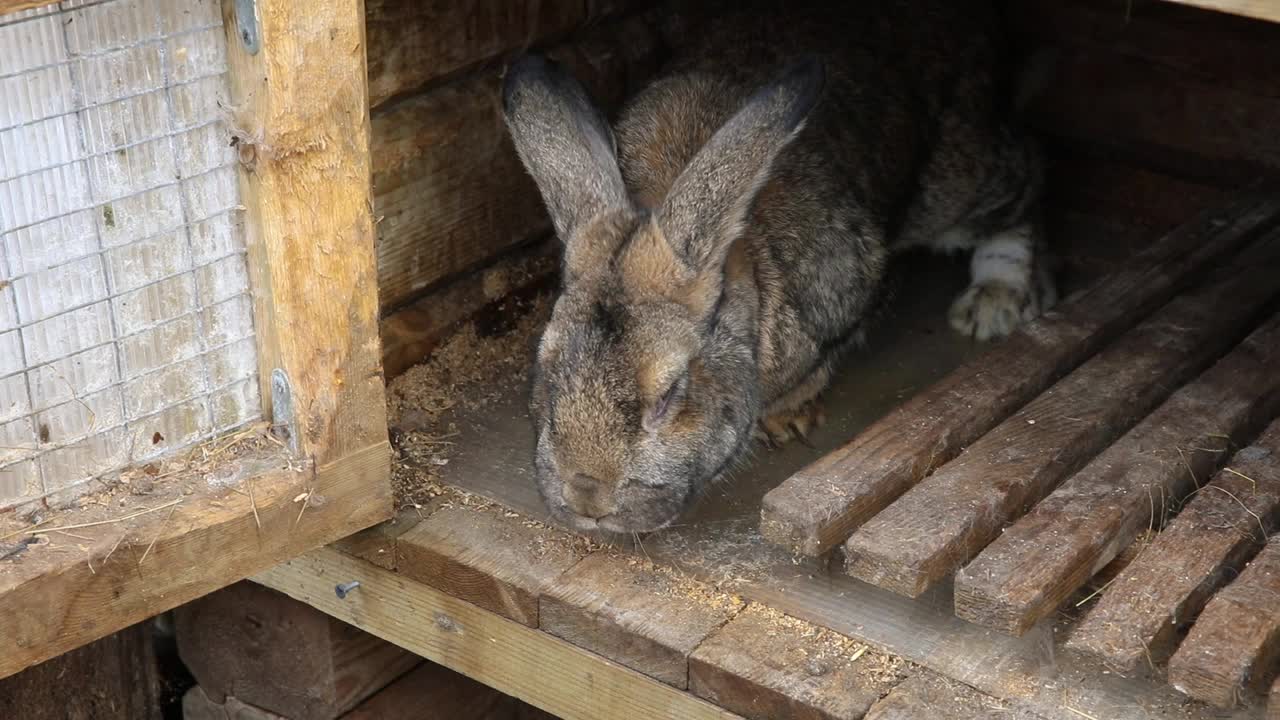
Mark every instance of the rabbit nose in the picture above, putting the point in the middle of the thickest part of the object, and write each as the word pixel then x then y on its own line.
pixel 586 496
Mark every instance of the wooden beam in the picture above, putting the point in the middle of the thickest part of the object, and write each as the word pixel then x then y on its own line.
pixel 302 127
pixel 1138 617
pixel 820 506
pixel 114 677
pixel 764 665
pixel 502 564
pixel 646 617
pixel 1036 564
pixel 13 6
pixel 944 521
pixel 450 192
pixel 1233 650
pixel 529 664
pixel 65 594
pixel 1257 9
pixel 275 653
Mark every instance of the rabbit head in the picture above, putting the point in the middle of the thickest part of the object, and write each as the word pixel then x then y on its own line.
pixel 645 386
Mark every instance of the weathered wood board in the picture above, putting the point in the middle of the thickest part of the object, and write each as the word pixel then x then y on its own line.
pixel 1039 561
pixel 645 617
pixel 820 506
pixel 529 664
pixel 1135 623
pixel 949 517
pixel 927 696
pixel 303 137
pixel 1233 650
pixel 765 665
pixel 171 547
pixel 502 564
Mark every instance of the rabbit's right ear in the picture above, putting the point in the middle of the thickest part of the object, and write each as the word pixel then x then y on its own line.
pixel 564 142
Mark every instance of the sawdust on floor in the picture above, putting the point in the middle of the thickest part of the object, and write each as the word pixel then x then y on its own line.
pixel 469 371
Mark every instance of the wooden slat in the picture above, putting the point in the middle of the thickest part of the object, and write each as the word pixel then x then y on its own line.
pixel 280 655
pixel 450 191
pixel 1036 564
pixel 68 594
pixel 765 665
pixel 647 618
pixel 529 664
pixel 944 521
pixel 1259 9
pixel 412 43
pixel 302 119
pixel 821 505
pixel 502 564
pixel 1137 618
pixel 1233 650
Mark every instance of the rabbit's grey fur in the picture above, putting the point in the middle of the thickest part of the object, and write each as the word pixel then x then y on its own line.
pixel 727 241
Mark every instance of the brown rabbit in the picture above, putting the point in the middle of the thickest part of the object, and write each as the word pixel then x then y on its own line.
pixel 727 242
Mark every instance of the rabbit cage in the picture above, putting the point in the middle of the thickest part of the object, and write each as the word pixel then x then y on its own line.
pixel 341 204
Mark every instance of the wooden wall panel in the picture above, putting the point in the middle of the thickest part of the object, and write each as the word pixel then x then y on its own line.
pixel 450 191
pixel 1182 90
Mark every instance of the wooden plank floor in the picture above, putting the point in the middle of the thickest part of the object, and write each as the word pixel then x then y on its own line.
pixel 684 615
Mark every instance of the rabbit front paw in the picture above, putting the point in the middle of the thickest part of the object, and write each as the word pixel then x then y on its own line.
pixel 992 309
pixel 784 426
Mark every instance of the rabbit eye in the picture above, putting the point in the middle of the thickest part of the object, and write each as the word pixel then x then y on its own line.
pixel 665 401
pixel 663 404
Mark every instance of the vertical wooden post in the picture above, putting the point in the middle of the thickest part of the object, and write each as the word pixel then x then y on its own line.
pixel 300 107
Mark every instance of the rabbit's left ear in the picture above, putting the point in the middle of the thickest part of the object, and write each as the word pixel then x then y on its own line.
pixel 708 205
pixel 564 142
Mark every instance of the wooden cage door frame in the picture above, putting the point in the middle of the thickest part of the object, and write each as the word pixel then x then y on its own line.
pixel 302 127
pixel 301 122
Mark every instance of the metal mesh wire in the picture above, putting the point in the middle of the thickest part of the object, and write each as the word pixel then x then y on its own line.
pixel 125 322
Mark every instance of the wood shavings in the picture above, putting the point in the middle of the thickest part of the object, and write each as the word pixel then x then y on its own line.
pixel 470 370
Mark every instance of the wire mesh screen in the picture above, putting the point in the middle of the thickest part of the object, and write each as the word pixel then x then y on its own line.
pixel 126 326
